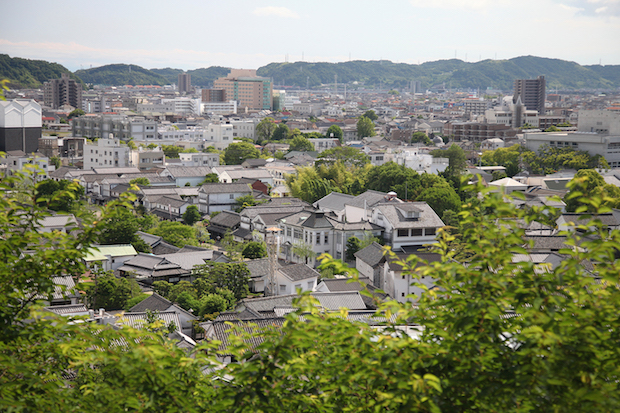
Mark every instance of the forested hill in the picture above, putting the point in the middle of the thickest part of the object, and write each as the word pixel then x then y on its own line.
pixel 30 74
pixel 121 74
pixel 497 74
pixel 200 77
pixel 453 73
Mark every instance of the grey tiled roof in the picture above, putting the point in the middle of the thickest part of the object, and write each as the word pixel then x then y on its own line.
pixel 334 201
pixel 188 260
pixel 297 272
pixel 154 303
pixel 138 320
pixel 427 219
pixel 150 239
pixel 354 226
pixel 285 210
pixel 331 301
pixel 188 171
pixel 258 268
pixel 369 198
pixel 220 330
pixel 546 242
pixel 371 255
pixel 69 309
pixel 165 248
pixel 226 219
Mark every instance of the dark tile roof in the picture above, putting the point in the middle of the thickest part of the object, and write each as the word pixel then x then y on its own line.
pixel 258 268
pixel 221 330
pixel 371 255
pixel 164 248
pixel 334 201
pixel 154 303
pixel 243 233
pixel 430 257
pixel 226 219
pixel 369 199
pixel 297 272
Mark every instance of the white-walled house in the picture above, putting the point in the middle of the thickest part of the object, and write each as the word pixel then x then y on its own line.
pixel 110 257
pixel 294 277
pixel 214 197
pixel 399 284
pixel 407 225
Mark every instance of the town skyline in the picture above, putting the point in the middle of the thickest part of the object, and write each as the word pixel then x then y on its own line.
pixel 247 34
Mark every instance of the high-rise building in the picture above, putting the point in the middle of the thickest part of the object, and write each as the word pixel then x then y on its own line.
pixel 20 126
pixel 63 91
pixel 185 83
pixel 250 91
pixel 532 93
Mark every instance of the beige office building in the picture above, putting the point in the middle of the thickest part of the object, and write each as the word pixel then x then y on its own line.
pixel 249 90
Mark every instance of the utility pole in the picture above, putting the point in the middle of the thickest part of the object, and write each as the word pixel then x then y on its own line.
pixel 273 241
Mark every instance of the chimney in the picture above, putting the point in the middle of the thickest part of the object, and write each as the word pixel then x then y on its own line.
pixel 101 311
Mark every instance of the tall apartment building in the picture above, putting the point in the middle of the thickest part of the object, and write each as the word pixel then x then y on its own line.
pixel 59 92
pixel 213 95
pixel 532 93
pixel 20 125
pixel 250 91
pixel 185 83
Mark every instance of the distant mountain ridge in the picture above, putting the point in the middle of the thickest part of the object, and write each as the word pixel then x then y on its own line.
pixel 453 73
pixel 30 74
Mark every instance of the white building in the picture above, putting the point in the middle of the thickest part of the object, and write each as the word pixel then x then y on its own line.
pixel 219 135
pixel 608 146
pixel 322 144
pixel 421 162
pixel 599 121
pixel 200 159
pixel 15 161
pixel 107 153
pixel 219 108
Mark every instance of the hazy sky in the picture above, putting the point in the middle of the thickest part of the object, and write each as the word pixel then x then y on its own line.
pixel 249 34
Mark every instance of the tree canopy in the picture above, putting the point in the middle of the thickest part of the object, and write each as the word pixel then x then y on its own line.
pixel 238 152
pixel 336 131
pixel 265 129
pixel 495 335
pixel 365 127
pixel 346 154
pixel 300 143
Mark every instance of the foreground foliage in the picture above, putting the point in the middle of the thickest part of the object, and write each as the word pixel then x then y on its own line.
pixel 494 336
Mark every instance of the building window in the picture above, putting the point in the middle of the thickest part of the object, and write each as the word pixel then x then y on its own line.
pixel 416 232
pixel 429 231
pixel 318 239
pixel 282 288
pixel 403 232
pixel 326 240
pixel 310 284
pixel 231 196
pixel 297 287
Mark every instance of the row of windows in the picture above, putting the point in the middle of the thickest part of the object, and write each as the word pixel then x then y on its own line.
pixel 416 232
pixel 307 236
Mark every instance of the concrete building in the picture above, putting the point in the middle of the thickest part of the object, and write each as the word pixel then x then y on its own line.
pixel 185 83
pixel 599 121
pixel 532 93
pixel 219 108
pixel 63 91
pixel 119 126
pixel 20 125
pixel 213 95
pixel 200 159
pixel 15 161
pixel 107 153
pixel 250 91
pixel 608 146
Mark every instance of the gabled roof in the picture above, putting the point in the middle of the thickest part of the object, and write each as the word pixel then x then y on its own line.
pixel 154 302
pixel 298 272
pixel 334 201
pixel 371 255
pixel 258 268
pixel 188 171
pixel 369 199
pixel 188 260
pixel 138 320
pixel 226 219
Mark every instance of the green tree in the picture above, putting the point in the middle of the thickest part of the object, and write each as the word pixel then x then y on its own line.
pixel 171 151
pixel 191 215
pixel 264 130
pixel 110 292
pixel 210 178
pixel 587 185
pixel 457 161
pixel 141 181
pixel 233 276
pixel 420 137
pixel 281 132
pixel 336 132
pixel 236 153
pixel 254 250
pixel 370 114
pixel 365 127
pixel 348 155
pixel 75 113
pixel 353 246
pixel 300 143
pixel 176 233
pixel 55 160
pixel 59 196
pixel 246 201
